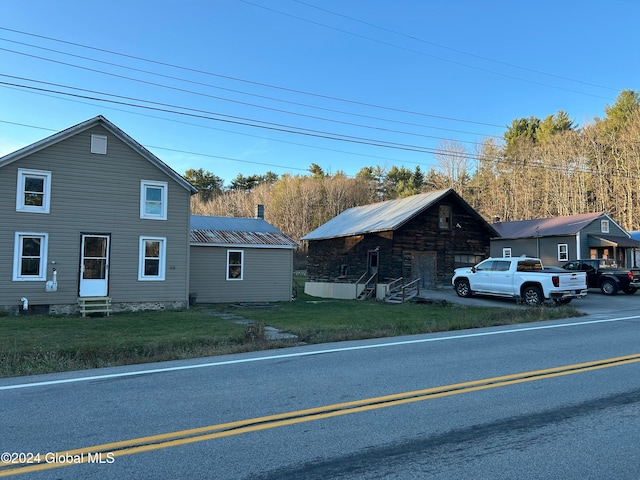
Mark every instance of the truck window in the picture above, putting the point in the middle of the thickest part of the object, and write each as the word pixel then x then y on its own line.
pixel 486 265
pixel 502 266
pixel 529 266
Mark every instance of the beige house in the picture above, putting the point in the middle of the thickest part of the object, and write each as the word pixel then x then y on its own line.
pixel 89 212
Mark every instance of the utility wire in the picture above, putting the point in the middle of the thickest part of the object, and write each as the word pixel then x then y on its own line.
pixel 172 77
pixel 291 90
pixel 444 47
pixel 423 53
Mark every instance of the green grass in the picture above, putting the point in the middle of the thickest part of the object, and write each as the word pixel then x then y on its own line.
pixel 42 344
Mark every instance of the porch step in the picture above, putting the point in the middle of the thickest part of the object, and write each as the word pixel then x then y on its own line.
pixel 94 305
pixel 366 293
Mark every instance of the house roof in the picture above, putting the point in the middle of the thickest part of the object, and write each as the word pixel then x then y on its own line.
pixel 232 231
pixel 81 127
pixel 383 216
pixel 547 227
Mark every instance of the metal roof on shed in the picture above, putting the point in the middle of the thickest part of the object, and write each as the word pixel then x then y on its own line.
pixel 233 231
pixel 376 217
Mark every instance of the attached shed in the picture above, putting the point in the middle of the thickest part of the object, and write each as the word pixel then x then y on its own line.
pixel 561 239
pixel 239 260
pixel 422 237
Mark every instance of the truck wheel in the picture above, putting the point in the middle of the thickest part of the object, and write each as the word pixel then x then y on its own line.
pixel 463 289
pixel 532 296
pixel 609 287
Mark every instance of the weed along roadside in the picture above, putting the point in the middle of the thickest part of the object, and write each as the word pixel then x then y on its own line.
pixel 45 344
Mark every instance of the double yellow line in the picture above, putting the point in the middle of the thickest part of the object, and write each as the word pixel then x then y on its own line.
pixel 184 437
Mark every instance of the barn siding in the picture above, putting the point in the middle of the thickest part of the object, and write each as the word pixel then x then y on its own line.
pixel 93 193
pixel 418 235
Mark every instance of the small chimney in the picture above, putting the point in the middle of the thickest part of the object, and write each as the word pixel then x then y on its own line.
pixel 496 219
pixel 260 212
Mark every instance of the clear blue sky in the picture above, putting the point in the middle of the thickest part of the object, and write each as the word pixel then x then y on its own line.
pixel 411 74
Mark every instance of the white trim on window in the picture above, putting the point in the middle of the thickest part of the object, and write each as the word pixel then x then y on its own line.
pixel 153 200
pixel 506 252
pixel 152 257
pixel 235 265
pixel 33 193
pixel 563 252
pixel 604 226
pixel 30 265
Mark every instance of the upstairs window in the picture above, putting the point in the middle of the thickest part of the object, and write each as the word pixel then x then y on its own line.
pixel 152 258
pixel 604 226
pixel 506 252
pixel 444 217
pixel 153 200
pixel 30 257
pixel 235 264
pixel 34 191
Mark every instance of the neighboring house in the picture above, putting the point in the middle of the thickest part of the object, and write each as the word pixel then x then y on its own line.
pixel 89 212
pixel 560 239
pixel 240 260
pixel 421 237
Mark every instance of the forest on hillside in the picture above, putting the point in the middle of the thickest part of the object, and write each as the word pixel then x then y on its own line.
pixel 541 168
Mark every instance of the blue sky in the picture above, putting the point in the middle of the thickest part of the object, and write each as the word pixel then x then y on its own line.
pixel 250 86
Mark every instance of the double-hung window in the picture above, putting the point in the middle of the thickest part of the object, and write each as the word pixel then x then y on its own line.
pixel 34 191
pixel 30 256
pixel 563 252
pixel 153 200
pixel 235 264
pixel 152 258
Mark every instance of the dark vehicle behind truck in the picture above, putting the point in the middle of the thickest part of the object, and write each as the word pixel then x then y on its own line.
pixel 604 273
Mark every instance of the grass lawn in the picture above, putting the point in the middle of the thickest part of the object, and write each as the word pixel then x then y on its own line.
pixel 42 344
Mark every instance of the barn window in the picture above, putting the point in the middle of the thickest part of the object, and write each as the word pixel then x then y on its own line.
pixel 235 264
pixel 444 216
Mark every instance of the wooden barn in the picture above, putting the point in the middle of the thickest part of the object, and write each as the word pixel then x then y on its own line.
pixel 374 249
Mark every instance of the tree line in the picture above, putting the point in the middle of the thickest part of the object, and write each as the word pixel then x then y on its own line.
pixel 541 168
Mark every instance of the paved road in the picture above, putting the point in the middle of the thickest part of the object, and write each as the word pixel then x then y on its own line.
pixel 442 406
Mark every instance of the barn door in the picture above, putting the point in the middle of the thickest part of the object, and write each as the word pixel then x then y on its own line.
pixel 423 268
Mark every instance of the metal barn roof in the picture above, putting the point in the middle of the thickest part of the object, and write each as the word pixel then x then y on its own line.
pixel 376 217
pixel 233 231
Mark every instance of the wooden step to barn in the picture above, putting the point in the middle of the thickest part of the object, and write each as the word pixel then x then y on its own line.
pixel 90 305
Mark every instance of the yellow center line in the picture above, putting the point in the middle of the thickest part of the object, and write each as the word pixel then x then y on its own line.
pixel 184 437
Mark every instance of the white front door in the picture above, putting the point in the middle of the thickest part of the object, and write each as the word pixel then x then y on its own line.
pixel 94 265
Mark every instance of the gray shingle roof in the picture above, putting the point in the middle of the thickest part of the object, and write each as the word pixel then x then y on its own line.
pixel 547 227
pixel 233 231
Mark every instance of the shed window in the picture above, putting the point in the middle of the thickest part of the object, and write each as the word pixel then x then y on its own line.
pixel 153 200
pixel 30 256
pixel 235 264
pixel 34 191
pixel 152 258
pixel 444 216
pixel 506 252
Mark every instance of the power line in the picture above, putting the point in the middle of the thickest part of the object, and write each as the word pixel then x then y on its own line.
pixel 228 77
pixel 423 53
pixel 172 77
pixel 444 47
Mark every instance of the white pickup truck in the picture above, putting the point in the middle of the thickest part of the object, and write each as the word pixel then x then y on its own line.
pixel 519 277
